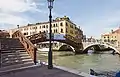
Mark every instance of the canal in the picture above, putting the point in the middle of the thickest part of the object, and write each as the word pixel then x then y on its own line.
pixel 84 62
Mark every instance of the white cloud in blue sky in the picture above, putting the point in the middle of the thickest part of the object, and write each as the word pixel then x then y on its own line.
pixel 93 16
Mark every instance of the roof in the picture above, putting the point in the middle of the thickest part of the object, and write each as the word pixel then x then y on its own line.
pixel 58 19
pixel 106 34
pixel 116 31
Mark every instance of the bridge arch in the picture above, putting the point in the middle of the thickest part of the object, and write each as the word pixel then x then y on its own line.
pixel 67 46
pixel 90 45
pixel 70 40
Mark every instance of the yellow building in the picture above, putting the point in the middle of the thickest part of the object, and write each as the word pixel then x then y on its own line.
pixel 59 26
pixel 112 37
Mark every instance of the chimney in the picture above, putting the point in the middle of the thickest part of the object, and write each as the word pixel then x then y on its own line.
pixel 18 26
pixel 112 31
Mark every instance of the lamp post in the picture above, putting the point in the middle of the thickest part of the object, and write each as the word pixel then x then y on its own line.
pixel 50 6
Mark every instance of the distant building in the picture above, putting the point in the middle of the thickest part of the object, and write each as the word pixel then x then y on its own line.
pixel 112 37
pixel 59 26
pixel 4 34
pixel 90 39
pixel 84 38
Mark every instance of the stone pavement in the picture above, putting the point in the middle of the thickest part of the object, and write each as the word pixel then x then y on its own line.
pixel 41 71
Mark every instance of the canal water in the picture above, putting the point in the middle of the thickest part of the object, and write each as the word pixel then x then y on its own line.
pixel 84 62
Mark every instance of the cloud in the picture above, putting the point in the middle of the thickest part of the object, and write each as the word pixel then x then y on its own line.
pixel 11 19
pixel 17 5
pixel 13 12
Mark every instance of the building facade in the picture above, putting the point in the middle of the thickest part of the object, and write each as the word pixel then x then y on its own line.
pixel 59 26
pixel 112 37
pixel 4 34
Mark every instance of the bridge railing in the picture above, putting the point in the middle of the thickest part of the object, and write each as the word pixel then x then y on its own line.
pixel 107 43
pixel 76 40
pixel 40 36
pixel 29 47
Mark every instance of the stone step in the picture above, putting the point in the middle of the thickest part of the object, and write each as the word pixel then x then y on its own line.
pixel 11 54
pixel 14 55
pixel 4 60
pixel 16 66
pixel 9 63
pixel 12 49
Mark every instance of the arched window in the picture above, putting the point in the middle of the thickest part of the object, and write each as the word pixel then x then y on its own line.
pixel 61 24
pixel 61 30
pixel 66 24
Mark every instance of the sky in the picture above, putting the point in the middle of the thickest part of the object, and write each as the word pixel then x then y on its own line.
pixel 95 17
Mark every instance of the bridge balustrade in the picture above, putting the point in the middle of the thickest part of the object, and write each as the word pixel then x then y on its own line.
pixel 29 47
pixel 76 40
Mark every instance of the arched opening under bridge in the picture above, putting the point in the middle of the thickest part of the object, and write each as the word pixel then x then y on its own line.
pixel 97 45
pixel 66 48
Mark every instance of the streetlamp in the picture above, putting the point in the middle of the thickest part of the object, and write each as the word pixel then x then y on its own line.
pixel 50 6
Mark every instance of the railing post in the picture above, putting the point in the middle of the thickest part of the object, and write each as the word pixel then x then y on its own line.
pixel 35 55
pixel 0 55
pixel 0 59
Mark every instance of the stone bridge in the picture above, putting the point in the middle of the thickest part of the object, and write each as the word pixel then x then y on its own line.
pixel 87 45
pixel 74 43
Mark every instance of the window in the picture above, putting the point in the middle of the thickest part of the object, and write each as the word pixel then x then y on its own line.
pixel 61 30
pixel 105 40
pixel 56 25
pixel 66 24
pixel 25 28
pixel 46 26
pixel 43 26
pixel 66 30
pixel 39 31
pixel 71 31
pixel 75 27
pixel 71 26
pixel 115 36
pixel 108 36
pixel 56 30
pixel 33 27
pixel 104 37
pixel 76 32
pixel 40 27
pixel 26 33
pixel 53 25
pixel 61 24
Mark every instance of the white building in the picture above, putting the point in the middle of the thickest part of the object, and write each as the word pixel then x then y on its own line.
pixel 59 26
